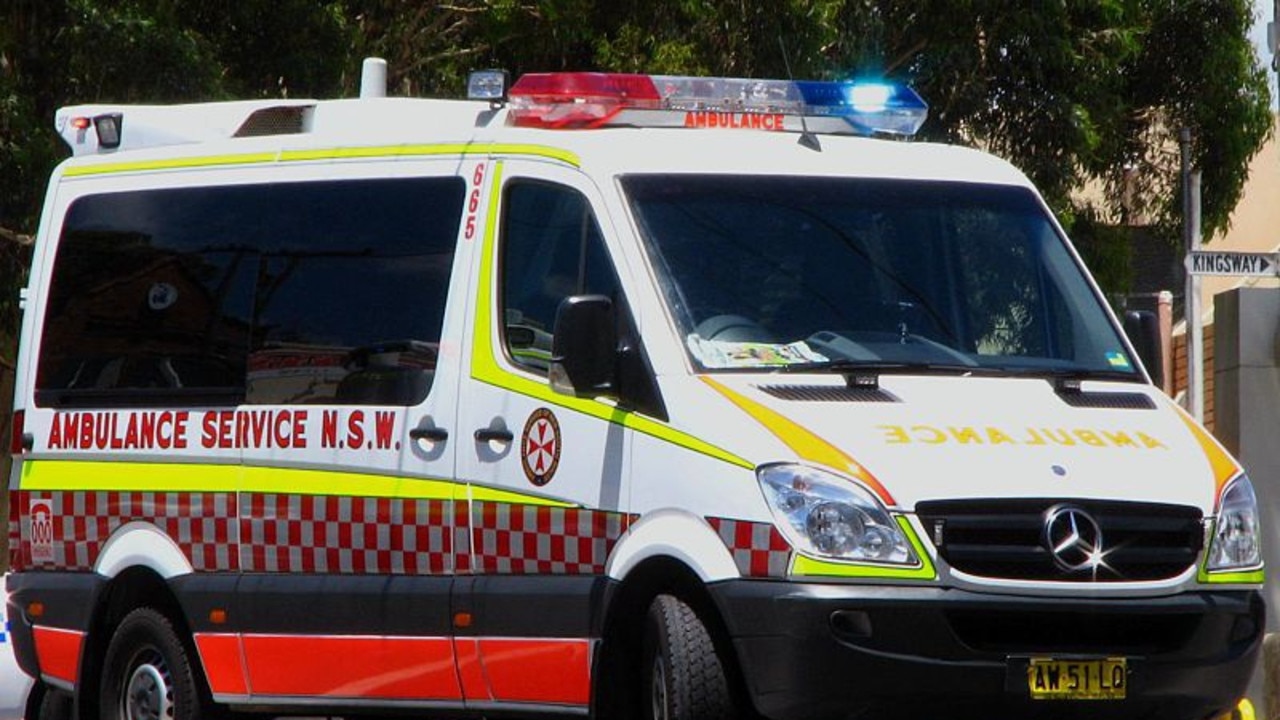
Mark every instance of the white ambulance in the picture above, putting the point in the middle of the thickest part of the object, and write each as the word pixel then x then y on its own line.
pixel 602 395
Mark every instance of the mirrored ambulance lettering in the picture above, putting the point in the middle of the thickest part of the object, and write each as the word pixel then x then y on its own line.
pixel 1030 436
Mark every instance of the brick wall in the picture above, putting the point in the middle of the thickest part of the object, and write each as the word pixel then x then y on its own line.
pixel 1180 371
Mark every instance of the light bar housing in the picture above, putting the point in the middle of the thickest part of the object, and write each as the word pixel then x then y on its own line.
pixel 589 100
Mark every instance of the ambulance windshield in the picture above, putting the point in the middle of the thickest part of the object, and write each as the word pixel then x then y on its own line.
pixel 817 272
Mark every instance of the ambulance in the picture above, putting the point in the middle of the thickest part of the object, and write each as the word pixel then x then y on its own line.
pixel 597 395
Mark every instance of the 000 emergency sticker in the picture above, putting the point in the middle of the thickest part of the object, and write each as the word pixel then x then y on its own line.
pixel 40 510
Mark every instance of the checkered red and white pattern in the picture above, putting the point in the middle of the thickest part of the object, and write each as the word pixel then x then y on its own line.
pixel 202 525
pixel 515 539
pixel 759 550
pixel 340 534
pixel 282 532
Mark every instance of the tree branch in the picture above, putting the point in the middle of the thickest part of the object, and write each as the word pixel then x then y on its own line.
pixel 15 237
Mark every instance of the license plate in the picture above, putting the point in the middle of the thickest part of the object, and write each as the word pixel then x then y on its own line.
pixel 1053 679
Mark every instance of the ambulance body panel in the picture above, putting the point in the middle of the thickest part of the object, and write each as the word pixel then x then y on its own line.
pixel 391 405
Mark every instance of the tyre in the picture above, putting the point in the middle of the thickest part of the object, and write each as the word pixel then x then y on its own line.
pixel 147 674
pixel 685 678
pixel 54 705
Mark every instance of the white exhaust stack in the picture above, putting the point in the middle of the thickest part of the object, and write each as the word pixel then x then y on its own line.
pixel 373 78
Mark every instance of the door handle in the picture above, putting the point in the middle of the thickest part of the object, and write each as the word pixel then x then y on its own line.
pixel 501 435
pixel 434 434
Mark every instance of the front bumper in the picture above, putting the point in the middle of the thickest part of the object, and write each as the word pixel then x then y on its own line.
pixel 844 651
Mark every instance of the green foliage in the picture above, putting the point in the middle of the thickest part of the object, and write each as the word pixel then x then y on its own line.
pixel 1070 91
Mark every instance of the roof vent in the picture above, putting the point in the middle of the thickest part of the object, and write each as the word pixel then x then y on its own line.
pixel 284 120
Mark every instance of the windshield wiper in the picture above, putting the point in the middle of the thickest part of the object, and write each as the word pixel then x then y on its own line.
pixel 863 373
pixel 1073 375
pixel 876 368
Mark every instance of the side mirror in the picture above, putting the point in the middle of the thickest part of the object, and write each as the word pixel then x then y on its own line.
pixel 584 351
pixel 1143 329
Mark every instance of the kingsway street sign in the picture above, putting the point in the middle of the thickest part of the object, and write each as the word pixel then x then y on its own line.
pixel 1210 262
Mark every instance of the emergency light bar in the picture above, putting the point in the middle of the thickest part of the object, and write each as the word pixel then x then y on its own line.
pixel 588 100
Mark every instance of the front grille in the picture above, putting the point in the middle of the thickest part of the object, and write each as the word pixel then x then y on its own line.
pixel 1006 539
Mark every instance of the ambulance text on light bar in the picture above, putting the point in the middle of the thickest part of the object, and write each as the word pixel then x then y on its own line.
pixel 588 100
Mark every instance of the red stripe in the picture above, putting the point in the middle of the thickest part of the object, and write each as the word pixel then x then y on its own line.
pixel 223 663
pixel 58 652
pixel 352 667
pixel 547 671
pixel 470 671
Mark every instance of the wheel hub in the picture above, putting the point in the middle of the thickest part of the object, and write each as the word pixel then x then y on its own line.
pixel 147 695
pixel 659 689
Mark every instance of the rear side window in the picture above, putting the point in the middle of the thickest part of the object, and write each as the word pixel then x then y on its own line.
pixel 316 292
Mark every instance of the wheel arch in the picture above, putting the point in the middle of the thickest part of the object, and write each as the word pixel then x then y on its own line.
pixel 141 544
pixel 624 623
pixel 678 535
pixel 130 588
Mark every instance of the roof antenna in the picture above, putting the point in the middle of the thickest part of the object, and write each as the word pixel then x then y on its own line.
pixel 807 139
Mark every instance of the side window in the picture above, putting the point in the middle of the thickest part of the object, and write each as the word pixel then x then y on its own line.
pixel 318 292
pixel 550 249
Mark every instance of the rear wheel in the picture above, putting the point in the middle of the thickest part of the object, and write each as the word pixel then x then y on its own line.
pixel 684 676
pixel 147 674
pixel 54 705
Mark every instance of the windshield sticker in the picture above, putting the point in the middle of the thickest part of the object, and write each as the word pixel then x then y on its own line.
pixel 723 354
pixel 1118 360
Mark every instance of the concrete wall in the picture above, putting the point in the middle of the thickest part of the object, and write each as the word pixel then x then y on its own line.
pixel 1247 379
pixel 1247 382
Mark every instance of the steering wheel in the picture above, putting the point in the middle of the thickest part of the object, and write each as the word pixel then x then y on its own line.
pixel 732 328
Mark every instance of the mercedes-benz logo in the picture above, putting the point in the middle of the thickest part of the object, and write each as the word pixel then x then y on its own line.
pixel 1073 538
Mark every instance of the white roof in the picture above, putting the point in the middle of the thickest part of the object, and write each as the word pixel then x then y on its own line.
pixel 157 133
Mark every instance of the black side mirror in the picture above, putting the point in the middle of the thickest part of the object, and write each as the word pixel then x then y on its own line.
pixel 584 351
pixel 1143 329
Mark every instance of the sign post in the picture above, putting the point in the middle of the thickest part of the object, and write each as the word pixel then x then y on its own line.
pixel 1191 241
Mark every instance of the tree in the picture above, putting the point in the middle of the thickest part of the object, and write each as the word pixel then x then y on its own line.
pixel 1072 92
pixel 60 52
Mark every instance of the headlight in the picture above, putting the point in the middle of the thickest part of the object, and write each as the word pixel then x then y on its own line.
pixel 826 515
pixel 1236 542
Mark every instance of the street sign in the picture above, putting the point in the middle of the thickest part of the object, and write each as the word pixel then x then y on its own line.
pixel 1211 262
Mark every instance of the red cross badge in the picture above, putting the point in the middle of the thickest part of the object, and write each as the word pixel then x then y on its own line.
pixel 540 447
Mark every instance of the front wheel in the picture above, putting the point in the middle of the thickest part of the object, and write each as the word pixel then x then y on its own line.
pixel 685 677
pixel 147 674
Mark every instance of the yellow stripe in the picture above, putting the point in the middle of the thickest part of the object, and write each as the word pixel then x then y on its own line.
pixel 803 565
pixel 347 153
pixel 328 482
pixel 95 476
pixel 485 367
pixel 803 442
pixel 144 477
pixel 1224 467
pixel 485 494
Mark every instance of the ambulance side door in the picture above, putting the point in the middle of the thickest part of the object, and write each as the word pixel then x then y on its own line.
pixel 547 473
pixel 347 504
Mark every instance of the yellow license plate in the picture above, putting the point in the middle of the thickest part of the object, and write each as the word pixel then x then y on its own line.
pixel 1053 679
